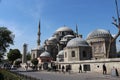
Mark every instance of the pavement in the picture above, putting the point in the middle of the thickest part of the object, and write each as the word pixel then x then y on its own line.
pixel 45 75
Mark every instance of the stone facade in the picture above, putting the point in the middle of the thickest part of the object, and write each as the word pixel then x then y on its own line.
pixel 92 65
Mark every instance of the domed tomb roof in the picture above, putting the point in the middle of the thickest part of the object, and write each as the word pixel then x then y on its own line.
pixel 99 33
pixel 64 28
pixel 45 54
pixel 61 52
pixel 77 42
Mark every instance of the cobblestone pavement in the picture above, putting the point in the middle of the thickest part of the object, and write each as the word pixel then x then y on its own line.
pixel 44 75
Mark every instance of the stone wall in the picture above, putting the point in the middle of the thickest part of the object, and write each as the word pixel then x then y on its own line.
pixel 94 65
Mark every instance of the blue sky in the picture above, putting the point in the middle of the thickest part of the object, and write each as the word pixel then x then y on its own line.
pixel 22 17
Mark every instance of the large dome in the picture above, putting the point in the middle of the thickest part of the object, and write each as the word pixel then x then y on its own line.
pixel 64 28
pixel 45 54
pixel 77 42
pixel 99 33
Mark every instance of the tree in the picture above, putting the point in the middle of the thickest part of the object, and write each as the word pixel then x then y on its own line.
pixel 117 24
pixel 34 61
pixel 13 55
pixel 6 38
pixel 28 56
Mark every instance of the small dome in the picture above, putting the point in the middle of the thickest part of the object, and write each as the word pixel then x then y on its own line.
pixel 64 28
pixel 99 33
pixel 61 52
pixel 45 54
pixel 77 42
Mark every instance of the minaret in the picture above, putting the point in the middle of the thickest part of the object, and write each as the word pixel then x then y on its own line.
pixel 78 35
pixel 39 33
pixel 76 30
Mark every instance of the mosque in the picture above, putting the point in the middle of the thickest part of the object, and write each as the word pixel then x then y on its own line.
pixel 66 46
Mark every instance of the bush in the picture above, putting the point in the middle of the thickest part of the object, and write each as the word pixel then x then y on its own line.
pixel 6 75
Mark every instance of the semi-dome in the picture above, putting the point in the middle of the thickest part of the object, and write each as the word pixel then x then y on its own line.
pixel 64 28
pixel 77 42
pixel 99 33
pixel 61 52
pixel 69 36
pixel 52 38
pixel 45 54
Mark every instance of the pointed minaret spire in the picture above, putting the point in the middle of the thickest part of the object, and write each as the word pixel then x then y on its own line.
pixel 76 30
pixel 39 33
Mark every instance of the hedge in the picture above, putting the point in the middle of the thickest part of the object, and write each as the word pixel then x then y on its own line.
pixel 7 75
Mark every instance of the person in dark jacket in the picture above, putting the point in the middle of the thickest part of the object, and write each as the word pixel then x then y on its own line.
pixel 104 69
pixel 80 68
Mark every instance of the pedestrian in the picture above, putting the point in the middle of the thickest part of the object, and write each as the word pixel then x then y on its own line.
pixel 69 68
pixel 63 68
pixel 104 69
pixel 80 68
pixel 39 67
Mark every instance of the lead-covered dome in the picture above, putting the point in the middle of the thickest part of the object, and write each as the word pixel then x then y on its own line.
pixel 45 54
pixel 99 33
pixel 77 42
pixel 67 37
pixel 64 28
pixel 61 52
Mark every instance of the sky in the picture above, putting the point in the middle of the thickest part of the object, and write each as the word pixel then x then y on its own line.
pixel 22 17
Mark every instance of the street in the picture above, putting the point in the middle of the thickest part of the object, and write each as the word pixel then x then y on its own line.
pixel 44 75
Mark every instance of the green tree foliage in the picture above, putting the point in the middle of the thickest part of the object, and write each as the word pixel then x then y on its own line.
pixel 34 61
pixel 28 56
pixel 17 63
pixel 6 38
pixel 13 55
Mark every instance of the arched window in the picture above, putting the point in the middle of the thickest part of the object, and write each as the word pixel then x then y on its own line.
pixel 73 53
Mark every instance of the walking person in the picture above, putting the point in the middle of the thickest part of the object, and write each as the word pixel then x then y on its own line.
pixel 63 68
pixel 80 68
pixel 69 68
pixel 104 69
